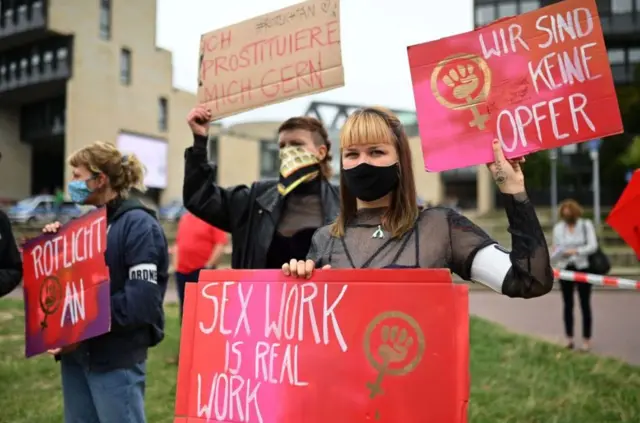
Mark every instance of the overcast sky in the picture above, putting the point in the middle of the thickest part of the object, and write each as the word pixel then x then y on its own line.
pixel 375 34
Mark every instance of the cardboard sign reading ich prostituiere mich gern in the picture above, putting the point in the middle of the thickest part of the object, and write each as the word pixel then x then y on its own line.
pixel 284 54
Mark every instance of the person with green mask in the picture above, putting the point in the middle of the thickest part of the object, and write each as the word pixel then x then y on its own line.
pixel 270 221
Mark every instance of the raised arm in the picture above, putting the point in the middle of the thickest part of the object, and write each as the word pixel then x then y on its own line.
pixel 220 207
pixel 523 272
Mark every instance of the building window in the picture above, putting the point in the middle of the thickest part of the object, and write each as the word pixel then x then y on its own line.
pixel 213 149
pixel 619 69
pixel 634 55
pixel 529 5
pixel 634 63
pixel 163 114
pixel 485 14
pixel 507 9
pixel 125 66
pixel 616 56
pixel 269 159
pixel 105 19
pixel 621 6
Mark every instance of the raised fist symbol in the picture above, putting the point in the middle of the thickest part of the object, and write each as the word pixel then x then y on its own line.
pixel 51 297
pixel 395 345
pixel 462 81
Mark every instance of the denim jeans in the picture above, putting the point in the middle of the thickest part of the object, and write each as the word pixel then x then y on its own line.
pixel 116 396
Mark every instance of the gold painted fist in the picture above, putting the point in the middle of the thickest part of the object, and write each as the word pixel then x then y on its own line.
pixel 462 80
pixel 395 344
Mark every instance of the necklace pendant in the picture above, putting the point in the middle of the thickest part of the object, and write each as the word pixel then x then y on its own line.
pixel 378 233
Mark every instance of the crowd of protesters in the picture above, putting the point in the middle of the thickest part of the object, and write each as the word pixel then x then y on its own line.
pixel 298 222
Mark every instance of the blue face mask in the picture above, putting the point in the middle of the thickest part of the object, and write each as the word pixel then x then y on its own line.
pixel 79 191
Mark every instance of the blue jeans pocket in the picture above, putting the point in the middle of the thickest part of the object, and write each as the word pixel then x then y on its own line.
pixel 119 394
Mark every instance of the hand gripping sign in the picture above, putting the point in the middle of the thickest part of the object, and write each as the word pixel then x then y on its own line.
pixel 344 346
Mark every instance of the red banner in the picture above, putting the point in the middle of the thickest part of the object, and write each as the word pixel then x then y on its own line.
pixel 624 218
pixel 535 81
pixel 66 285
pixel 342 347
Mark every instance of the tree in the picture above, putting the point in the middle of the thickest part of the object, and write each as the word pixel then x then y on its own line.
pixel 631 158
pixel 621 152
pixel 538 170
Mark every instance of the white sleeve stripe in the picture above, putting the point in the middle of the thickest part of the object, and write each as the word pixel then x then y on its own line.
pixel 147 272
pixel 490 266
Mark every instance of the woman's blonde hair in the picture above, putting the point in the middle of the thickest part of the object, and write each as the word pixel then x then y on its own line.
pixel 124 171
pixel 574 208
pixel 376 125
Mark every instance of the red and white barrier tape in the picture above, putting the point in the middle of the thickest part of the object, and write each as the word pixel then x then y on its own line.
pixel 568 275
pixel 600 280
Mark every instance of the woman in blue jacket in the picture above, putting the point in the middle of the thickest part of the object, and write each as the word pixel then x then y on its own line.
pixel 103 378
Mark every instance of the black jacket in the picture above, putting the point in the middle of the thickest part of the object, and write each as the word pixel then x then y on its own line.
pixel 138 259
pixel 250 215
pixel 10 260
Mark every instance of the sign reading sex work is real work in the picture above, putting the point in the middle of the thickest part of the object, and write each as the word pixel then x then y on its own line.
pixel 536 81
pixel 66 285
pixel 289 53
pixel 343 346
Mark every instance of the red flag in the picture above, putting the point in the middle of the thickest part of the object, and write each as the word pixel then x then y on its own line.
pixel 624 218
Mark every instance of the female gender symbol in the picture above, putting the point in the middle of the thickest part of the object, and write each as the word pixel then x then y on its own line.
pixel 394 348
pixel 50 298
pixel 465 87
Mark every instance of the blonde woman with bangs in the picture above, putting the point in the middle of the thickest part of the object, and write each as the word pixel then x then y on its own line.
pixel 380 225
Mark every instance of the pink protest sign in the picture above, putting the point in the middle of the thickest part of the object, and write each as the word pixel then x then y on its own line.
pixel 536 81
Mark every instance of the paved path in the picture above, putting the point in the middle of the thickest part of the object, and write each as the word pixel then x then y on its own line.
pixel 616 319
pixel 616 315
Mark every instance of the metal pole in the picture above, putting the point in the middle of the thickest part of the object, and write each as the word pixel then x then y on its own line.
pixel 595 161
pixel 553 155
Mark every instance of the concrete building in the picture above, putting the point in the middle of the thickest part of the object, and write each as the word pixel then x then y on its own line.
pixel 76 71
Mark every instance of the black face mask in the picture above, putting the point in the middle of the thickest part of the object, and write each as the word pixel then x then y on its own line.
pixel 369 183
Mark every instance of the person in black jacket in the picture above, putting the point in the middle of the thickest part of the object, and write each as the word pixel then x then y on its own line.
pixel 10 260
pixel 273 220
pixel 103 378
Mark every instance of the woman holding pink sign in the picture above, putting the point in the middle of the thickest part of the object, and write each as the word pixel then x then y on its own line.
pixel 381 226
pixel 104 378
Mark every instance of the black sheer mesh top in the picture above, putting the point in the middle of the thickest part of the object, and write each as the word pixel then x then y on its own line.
pixel 441 238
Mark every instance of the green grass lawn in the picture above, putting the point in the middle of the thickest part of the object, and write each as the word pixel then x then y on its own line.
pixel 515 379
